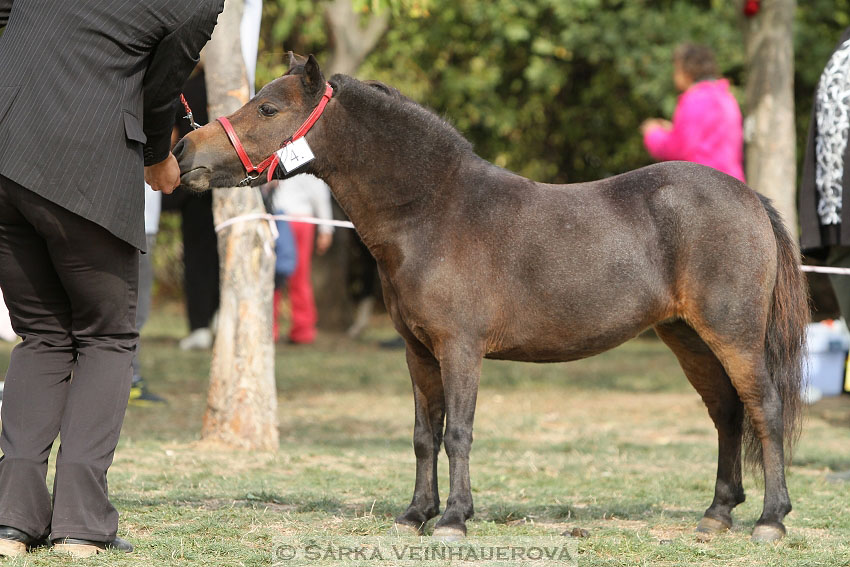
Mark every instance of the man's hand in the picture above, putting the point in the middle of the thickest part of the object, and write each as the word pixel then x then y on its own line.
pixel 323 242
pixel 164 176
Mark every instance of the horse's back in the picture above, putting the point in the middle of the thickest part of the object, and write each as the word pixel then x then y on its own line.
pixel 596 263
pixel 681 208
pixel 565 272
pixel 677 187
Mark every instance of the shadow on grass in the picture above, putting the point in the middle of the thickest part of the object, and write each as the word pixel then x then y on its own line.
pixel 298 503
pixel 624 510
pixel 332 438
pixel 504 513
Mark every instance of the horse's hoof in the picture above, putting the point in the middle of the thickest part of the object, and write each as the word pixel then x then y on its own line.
pixel 448 534
pixel 709 527
pixel 767 533
pixel 405 530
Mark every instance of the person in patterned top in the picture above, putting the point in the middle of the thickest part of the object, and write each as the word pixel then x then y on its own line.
pixel 824 222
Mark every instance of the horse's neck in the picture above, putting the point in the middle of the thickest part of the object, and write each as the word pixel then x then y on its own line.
pixel 386 185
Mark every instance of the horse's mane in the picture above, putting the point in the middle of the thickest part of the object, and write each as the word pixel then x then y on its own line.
pixel 386 89
pixel 395 107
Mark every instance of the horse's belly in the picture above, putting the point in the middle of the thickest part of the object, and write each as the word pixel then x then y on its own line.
pixel 561 344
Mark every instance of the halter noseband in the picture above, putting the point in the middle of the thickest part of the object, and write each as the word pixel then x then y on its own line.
pixel 270 163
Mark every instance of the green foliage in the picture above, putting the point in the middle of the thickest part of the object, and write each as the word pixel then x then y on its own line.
pixel 553 90
pixel 289 25
pixel 300 26
pixel 414 8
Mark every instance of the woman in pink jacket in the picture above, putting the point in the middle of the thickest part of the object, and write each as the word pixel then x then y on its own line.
pixel 707 126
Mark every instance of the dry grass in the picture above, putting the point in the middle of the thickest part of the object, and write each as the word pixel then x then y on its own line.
pixel 618 445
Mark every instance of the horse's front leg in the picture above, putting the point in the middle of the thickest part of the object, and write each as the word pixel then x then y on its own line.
pixel 427 437
pixel 460 371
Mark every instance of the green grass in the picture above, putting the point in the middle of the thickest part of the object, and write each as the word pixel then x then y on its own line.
pixel 619 445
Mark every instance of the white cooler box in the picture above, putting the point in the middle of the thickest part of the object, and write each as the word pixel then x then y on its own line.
pixel 824 364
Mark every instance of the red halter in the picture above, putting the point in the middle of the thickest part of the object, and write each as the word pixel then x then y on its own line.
pixel 270 163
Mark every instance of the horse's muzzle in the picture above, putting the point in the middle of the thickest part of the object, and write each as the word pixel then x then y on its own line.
pixel 196 179
pixel 193 177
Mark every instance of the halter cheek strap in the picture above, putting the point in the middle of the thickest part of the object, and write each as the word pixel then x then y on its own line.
pixel 251 171
pixel 270 163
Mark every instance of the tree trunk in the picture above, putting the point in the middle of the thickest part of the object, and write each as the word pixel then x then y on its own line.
pixel 769 128
pixel 352 38
pixel 242 399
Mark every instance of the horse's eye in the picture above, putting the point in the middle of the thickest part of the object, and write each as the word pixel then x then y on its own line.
pixel 267 110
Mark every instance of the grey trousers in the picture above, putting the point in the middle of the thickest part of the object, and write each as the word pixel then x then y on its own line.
pixel 143 310
pixel 70 286
pixel 839 257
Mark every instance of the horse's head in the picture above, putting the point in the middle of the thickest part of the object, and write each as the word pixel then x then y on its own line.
pixel 207 158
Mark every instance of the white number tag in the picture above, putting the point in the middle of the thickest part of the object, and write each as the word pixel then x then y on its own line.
pixel 294 155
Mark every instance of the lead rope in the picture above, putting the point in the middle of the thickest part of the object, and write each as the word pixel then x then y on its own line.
pixel 189 115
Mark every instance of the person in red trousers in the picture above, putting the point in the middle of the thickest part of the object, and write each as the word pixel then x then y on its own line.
pixel 303 196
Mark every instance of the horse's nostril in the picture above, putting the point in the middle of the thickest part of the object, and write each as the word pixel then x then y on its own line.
pixel 179 148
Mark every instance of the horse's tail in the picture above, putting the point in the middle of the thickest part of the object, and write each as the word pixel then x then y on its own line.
pixel 785 339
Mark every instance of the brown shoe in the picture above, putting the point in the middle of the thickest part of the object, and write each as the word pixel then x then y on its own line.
pixel 15 543
pixel 79 548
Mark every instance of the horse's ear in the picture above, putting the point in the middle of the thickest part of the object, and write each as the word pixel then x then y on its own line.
pixel 312 77
pixel 295 60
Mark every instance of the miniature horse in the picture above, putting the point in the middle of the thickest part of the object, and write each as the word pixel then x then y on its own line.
pixel 478 262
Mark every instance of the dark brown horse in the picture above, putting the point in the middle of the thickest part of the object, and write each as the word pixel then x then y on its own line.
pixel 477 262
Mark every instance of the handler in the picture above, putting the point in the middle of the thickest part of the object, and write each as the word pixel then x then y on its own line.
pixel 74 134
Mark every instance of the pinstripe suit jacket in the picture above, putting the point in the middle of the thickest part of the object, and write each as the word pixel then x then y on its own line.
pixel 87 95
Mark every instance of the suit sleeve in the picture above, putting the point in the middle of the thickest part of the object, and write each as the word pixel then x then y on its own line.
pixel 171 63
pixel 5 9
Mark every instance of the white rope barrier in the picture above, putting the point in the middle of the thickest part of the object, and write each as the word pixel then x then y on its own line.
pixel 346 224
pixel 271 218
pixel 242 218
pixel 826 270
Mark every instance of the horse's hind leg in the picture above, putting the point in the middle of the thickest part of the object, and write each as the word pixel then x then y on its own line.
pixel 427 437
pixel 747 371
pixel 709 378
pixel 764 407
